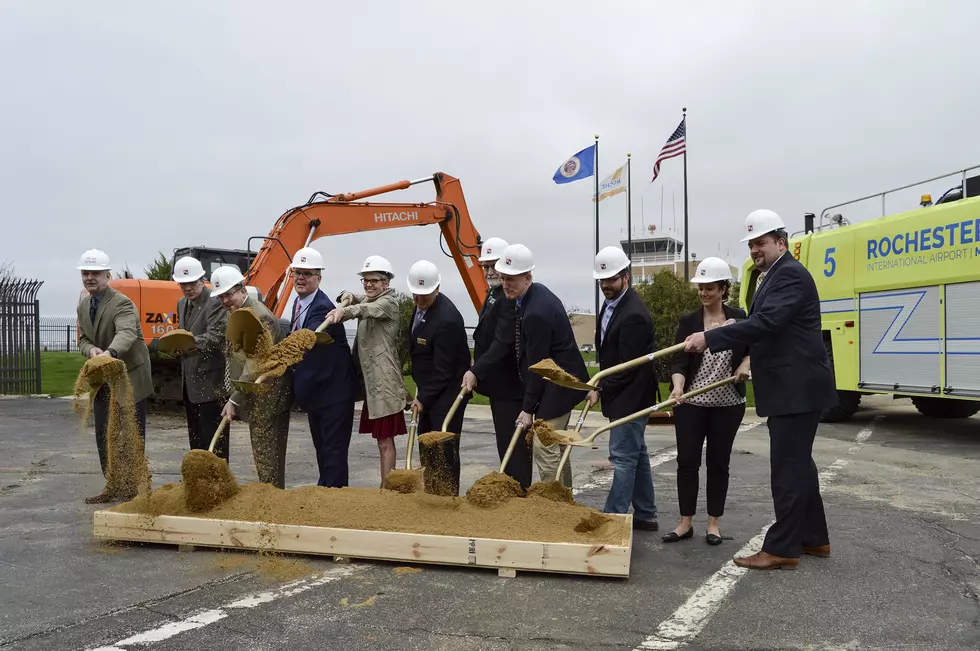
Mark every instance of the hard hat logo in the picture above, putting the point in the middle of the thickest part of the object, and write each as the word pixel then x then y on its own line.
pixel 704 271
pixel 602 265
pixel 507 262
pixel 421 282
pixel 187 272
pixel 750 228
pixel 303 259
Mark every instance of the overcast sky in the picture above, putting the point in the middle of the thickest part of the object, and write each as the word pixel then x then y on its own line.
pixel 139 127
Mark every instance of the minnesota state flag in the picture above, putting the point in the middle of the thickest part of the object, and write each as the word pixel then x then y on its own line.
pixel 612 184
pixel 577 167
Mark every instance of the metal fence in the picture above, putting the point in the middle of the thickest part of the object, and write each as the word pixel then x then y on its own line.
pixel 20 349
pixel 59 334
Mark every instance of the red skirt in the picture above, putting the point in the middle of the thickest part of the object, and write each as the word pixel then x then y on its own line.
pixel 384 427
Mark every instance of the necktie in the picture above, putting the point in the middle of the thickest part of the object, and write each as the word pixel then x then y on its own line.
pixel 93 308
pixel 187 315
pixel 296 315
pixel 418 319
pixel 758 281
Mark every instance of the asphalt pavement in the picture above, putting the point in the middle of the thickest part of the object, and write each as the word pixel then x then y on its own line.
pixel 901 494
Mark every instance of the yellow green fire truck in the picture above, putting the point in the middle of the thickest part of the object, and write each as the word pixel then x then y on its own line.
pixel 900 300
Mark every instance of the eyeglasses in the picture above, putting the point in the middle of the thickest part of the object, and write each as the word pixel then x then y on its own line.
pixel 371 281
pixel 304 274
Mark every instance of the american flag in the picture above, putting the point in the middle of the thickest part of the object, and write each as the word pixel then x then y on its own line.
pixel 673 147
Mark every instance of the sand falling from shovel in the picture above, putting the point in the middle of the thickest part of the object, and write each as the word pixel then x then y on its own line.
pixel 208 481
pixel 128 471
pixel 493 490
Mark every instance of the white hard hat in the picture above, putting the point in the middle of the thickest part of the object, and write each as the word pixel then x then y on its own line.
pixel 307 258
pixel 609 262
pixel 94 260
pixel 376 264
pixel 712 270
pixel 187 270
pixel 224 278
pixel 760 222
pixel 515 260
pixel 492 249
pixel 423 278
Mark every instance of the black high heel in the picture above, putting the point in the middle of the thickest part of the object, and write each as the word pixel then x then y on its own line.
pixel 673 537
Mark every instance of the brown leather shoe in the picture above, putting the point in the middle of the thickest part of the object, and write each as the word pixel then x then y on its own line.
pixel 765 561
pixel 102 498
pixel 820 551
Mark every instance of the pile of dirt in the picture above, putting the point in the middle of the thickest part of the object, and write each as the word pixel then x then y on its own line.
pixel 128 471
pixel 434 438
pixel 381 510
pixel 551 490
pixel 438 457
pixel 493 490
pixel 547 434
pixel 403 481
pixel 208 480
pixel 547 368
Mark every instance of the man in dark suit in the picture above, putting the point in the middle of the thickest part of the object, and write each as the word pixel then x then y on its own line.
pixel 793 384
pixel 625 332
pixel 324 382
pixel 109 326
pixel 494 372
pixel 202 369
pixel 541 330
pixel 440 357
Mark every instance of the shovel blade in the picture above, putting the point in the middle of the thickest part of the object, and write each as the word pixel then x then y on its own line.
pixel 569 384
pixel 323 338
pixel 174 341
pixel 243 330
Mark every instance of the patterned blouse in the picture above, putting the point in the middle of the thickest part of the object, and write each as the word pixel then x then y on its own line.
pixel 714 368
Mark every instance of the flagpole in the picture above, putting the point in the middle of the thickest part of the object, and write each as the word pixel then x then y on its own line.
pixel 595 173
pixel 629 211
pixel 687 271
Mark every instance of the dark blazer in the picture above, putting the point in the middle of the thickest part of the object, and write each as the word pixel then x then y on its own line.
pixel 546 332
pixel 790 370
pixel 687 364
pixel 325 377
pixel 494 357
pixel 440 354
pixel 629 335
pixel 203 369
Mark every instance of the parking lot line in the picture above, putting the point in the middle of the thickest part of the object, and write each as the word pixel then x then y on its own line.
pixel 690 619
pixel 204 618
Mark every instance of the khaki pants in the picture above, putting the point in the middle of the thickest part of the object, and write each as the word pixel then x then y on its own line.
pixel 547 457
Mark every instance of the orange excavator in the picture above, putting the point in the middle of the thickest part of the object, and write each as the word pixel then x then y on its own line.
pixel 267 271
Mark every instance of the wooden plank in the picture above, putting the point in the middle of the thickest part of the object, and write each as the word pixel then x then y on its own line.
pixel 570 558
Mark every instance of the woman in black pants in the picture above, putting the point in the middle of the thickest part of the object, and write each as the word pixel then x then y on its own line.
pixel 714 415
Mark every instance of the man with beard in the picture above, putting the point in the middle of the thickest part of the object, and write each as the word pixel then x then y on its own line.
pixel 494 372
pixel 625 332
pixel 793 384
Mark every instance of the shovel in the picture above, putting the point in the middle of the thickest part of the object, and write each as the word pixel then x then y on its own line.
pixel 255 388
pixel 177 340
pixel 612 370
pixel 217 433
pixel 323 338
pixel 207 479
pixel 575 439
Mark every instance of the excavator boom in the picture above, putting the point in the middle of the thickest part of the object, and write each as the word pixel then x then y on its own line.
pixel 343 214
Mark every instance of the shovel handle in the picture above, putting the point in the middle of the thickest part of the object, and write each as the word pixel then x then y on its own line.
pixel 510 448
pixel 217 433
pixel 323 326
pixel 639 361
pixel 568 448
pixel 452 410
pixel 412 429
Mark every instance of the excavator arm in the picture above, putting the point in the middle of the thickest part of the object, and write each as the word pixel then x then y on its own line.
pixel 325 215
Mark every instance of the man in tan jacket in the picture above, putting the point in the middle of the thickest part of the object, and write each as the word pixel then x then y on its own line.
pixel 109 325
pixel 267 414
pixel 202 369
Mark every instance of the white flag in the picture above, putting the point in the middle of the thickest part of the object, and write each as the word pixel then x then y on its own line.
pixel 612 184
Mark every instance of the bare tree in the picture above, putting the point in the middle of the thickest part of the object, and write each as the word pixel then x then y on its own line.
pixel 6 269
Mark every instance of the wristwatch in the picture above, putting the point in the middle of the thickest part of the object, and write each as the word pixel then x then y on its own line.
pixel 113 353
